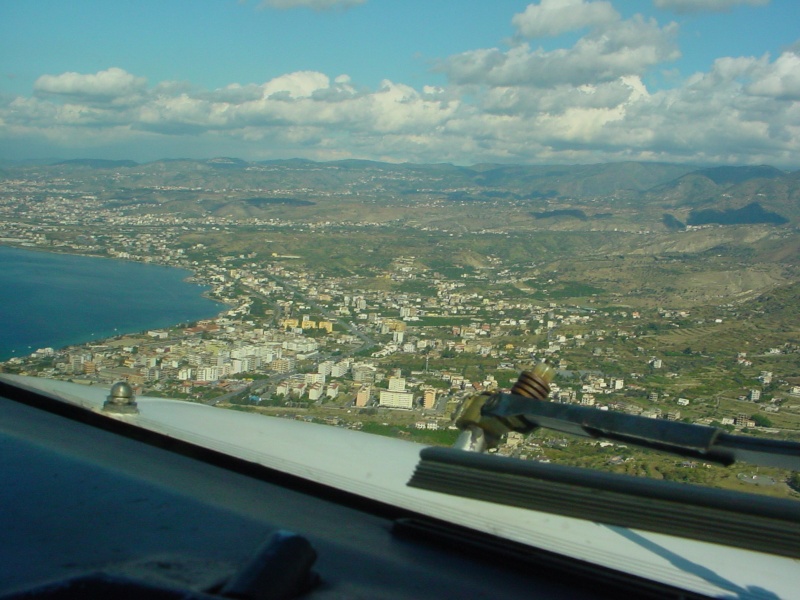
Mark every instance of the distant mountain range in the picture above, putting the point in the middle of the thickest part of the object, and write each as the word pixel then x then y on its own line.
pixel 732 195
pixel 681 194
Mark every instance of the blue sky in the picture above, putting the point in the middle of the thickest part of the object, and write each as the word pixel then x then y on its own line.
pixel 461 81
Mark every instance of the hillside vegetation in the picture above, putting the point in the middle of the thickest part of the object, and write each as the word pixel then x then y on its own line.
pixel 648 233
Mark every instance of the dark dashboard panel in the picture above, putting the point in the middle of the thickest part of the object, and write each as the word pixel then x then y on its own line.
pixel 78 499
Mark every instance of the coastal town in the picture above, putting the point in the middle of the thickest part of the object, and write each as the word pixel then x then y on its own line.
pixel 395 351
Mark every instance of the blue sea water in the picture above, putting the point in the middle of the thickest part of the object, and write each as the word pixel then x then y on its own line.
pixel 56 300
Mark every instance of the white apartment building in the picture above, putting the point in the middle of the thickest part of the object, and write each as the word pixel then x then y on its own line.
pixel 396 399
pixel 340 369
pixel 397 384
pixel 312 378
pixel 315 391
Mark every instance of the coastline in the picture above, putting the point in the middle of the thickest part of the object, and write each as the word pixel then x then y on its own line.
pixel 61 341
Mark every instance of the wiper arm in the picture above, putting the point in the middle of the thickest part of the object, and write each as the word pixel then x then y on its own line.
pixel 720 516
pixel 485 418
pixel 684 439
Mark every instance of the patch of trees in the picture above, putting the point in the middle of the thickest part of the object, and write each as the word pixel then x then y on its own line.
pixel 574 213
pixel 751 214
pixel 760 420
pixel 670 222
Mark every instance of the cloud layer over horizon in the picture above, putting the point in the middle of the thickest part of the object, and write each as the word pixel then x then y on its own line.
pixel 585 101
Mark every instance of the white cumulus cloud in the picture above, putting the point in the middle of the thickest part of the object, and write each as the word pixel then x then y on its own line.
pixel 587 101
pixel 553 17
pixel 300 84
pixel 108 84
pixel 778 80
pixel 623 48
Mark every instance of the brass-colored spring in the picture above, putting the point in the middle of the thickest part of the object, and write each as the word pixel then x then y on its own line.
pixel 534 384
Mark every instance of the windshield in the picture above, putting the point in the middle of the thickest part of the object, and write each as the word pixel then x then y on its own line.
pixel 360 214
